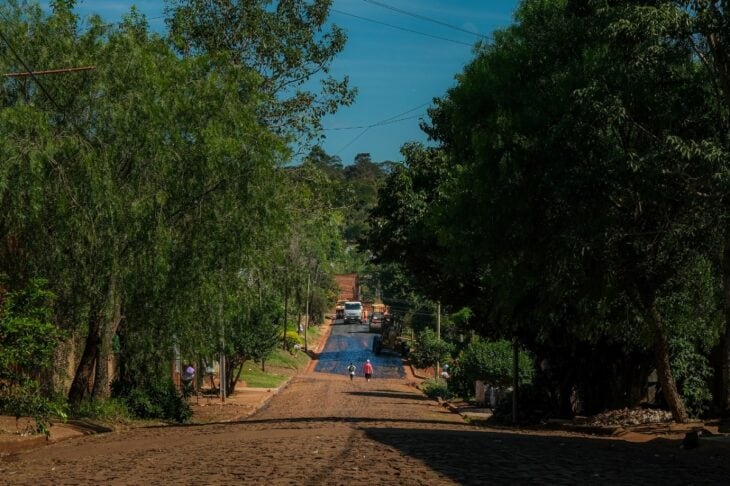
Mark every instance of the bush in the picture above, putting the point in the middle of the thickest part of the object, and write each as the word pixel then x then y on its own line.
pixel 28 340
pixel 156 400
pixel 490 362
pixel 428 349
pixel 693 374
pixel 435 389
pixel 292 338
pixel 24 399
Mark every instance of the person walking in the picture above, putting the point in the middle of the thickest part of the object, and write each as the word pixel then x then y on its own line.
pixel 351 370
pixel 368 370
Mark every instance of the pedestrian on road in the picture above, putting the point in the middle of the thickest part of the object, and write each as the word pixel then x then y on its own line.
pixel 351 370
pixel 368 370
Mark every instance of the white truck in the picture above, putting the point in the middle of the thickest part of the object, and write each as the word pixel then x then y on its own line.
pixel 353 312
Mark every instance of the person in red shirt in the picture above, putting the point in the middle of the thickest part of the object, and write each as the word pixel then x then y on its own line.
pixel 367 370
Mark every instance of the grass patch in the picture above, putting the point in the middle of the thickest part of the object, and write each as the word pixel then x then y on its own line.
pixel 255 378
pixel 110 410
pixel 284 359
pixel 280 365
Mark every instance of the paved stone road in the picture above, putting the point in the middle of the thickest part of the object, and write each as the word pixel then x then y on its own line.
pixel 324 429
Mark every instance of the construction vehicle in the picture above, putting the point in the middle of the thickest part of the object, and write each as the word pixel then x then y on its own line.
pixel 389 338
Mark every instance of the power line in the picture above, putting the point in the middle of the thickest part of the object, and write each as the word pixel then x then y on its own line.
pixel 400 28
pixel 373 125
pixel 393 119
pixel 352 141
pixel 386 121
pixel 423 17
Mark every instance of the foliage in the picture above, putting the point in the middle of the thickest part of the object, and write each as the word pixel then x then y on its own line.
pixel 158 398
pixel 287 43
pixel 28 340
pixel 252 334
pixel 111 410
pixel 436 389
pixel 25 399
pixel 595 188
pixel 490 362
pixel 291 339
pixel 428 350
pixel 694 375
pixel 283 359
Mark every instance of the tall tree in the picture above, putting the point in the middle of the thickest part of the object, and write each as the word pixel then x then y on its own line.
pixel 288 42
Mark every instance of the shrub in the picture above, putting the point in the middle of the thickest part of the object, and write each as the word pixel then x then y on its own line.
pixel 490 362
pixel 112 409
pixel 435 389
pixel 27 343
pixel 24 399
pixel 693 374
pixel 155 400
pixel 291 339
pixel 428 349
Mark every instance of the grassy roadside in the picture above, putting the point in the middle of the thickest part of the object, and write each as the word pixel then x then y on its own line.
pixel 280 366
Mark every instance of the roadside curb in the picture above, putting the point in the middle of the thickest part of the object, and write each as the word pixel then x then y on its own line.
pixel 59 432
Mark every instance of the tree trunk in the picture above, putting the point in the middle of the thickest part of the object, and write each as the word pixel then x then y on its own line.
pixel 664 369
pixel 725 343
pixel 85 369
pixel 231 375
pixel 109 329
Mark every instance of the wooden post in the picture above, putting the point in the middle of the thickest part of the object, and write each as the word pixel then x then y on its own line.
pixel 438 338
pixel 515 378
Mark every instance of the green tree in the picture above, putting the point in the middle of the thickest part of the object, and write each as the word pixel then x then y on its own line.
pixel 135 194
pixel 429 350
pixel 288 42
pixel 490 362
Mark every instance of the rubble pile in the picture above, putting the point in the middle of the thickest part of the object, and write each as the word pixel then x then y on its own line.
pixel 629 416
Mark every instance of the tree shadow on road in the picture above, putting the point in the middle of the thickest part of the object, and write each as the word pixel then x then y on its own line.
pixel 389 394
pixel 491 457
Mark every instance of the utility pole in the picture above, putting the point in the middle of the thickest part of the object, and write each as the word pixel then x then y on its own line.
pixel 222 373
pixel 306 325
pixel 46 72
pixel 286 306
pixel 438 336
pixel 515 378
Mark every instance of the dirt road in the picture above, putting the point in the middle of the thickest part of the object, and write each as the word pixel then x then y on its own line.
pixel 324 429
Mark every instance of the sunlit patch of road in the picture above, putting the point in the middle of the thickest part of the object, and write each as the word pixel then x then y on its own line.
pixel 352 343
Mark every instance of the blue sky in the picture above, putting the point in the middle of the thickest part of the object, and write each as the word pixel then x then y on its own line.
pixel 395 71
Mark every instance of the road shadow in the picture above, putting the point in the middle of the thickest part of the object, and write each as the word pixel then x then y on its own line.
pixel 313 420
pixel 491 457
pixel 388 394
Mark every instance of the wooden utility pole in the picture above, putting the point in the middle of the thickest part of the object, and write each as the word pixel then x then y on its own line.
pixel 515 378
pixel 438 337
pixel 306 324
pixel 286 307
pixel 222 372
